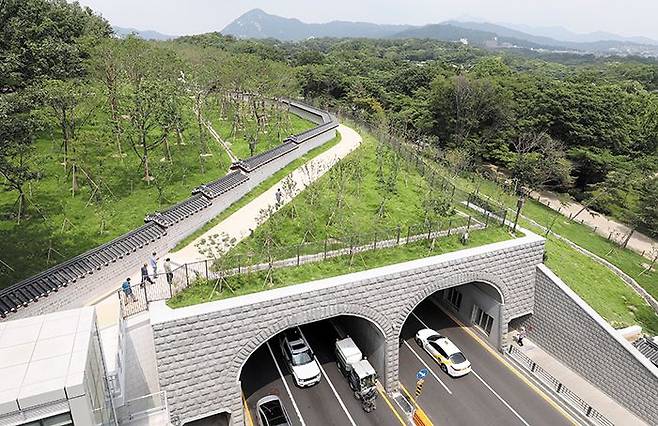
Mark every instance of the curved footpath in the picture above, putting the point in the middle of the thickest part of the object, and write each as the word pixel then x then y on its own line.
pixel 241 222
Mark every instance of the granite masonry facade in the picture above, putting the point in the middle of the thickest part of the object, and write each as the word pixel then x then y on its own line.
pixel 201 349
pixel 569 329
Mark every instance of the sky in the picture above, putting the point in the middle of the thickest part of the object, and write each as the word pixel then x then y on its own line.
pixel 180 17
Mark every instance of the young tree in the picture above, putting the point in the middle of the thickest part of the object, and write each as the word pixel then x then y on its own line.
pixel 151 86
pixel 18 125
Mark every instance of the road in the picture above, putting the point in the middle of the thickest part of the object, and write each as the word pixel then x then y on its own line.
pixel 493 394
pixel 329 403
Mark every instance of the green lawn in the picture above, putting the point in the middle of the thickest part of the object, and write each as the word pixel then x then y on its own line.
pixel 370 191
pixel 202 291
pixel 262 187
pixel 60 225
pixel 600 288
pixel 276 130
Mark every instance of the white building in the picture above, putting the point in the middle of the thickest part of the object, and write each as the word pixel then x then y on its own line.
pixel 52 371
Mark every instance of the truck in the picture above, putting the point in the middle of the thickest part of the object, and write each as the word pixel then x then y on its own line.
pixel 360 375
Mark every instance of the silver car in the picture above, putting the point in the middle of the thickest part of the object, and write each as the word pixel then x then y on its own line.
pixel 271 412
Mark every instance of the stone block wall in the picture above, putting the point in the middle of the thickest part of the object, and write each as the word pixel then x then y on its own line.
pixel 569 329
pixel 201 349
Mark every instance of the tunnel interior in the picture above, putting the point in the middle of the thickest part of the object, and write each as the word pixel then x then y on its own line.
pixel 220 419
pixel 261 375
pixel 476 304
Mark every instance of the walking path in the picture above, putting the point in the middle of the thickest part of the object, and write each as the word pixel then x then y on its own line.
pixel 601 224
pixel 240 223
pixel 592 395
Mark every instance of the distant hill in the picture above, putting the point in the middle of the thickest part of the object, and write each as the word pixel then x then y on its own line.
pixel 145 34
pixel 259 24
pixel 563 34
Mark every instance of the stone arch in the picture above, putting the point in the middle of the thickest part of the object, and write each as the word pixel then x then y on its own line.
pixel 448 282
pixel 362 311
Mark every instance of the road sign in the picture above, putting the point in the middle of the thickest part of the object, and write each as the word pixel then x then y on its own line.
pixel 422 373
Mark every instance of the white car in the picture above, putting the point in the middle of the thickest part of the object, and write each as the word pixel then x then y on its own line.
pixel 451 360
pixel 300 358
pixel 271 412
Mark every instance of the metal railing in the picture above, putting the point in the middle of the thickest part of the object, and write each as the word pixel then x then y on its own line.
pixel 142 407
pixel 556 386
pixel 164 286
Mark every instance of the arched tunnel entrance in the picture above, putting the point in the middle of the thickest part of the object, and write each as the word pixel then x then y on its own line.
pixel 281 367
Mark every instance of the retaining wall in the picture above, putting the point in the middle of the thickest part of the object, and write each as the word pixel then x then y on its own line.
pixel 565 326
pixel 201 349
pixel 91 275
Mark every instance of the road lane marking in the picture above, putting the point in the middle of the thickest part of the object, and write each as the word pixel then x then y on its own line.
pixel 246 409
pixel 427 366
pixel 294 404
pixel 383 394
pixel 500 398
pixel 331 385
pixel 503 361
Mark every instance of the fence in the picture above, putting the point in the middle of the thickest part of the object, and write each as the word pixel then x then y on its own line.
pixel 562 391
pixel 164 286
pixel 142 407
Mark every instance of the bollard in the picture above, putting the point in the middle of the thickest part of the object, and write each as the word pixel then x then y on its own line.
pixel 419 387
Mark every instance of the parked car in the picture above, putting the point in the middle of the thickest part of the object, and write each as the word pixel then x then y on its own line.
pixel 300 358
pixel 451 360
pixel 271 412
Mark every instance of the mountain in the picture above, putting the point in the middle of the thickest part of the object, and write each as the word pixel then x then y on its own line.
pixel 145 34
pixel 259 24
pixel 597 43
pixel 563 34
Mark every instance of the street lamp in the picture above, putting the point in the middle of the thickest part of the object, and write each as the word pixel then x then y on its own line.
pixel 519 206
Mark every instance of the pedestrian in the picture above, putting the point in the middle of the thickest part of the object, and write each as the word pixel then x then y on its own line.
pixel 168 273
pixel 145 275
pixel 279 197
pixel 128 291
pixel 154 265
pixel 521 336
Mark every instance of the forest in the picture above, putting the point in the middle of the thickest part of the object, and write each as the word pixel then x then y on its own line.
pixel 97 131
pixel 577 124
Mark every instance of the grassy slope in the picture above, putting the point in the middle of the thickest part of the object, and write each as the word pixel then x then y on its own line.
pixel 321 219
pixel 611 297
pixel 71 225
pixel 202 291
pixel 272 138
pixel 262 187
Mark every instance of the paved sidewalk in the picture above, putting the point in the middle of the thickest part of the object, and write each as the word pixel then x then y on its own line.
pixel 600 401
pixel 239 224
pixel 603 226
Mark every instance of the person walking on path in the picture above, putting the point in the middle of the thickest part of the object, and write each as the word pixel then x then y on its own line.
pixel 145 275
pixel 279 197
pixel 521 336
pixel 128 291
pixel 168 273
pixel 154 265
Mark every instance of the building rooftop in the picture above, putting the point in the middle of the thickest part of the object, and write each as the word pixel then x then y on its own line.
pixel 43 358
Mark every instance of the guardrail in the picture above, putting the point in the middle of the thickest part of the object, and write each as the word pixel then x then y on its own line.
pixel 142 407
pixel 556 386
